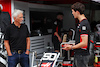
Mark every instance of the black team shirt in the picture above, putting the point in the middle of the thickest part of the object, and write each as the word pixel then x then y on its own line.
pixel 83 28
pixel 17 36
pixel 57 25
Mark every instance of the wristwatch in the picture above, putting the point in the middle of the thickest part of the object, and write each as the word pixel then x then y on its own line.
pixel 72 47
pixel 27 49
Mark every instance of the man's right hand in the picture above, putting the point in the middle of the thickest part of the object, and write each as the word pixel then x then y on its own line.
pixel 6 43
pixel 9 54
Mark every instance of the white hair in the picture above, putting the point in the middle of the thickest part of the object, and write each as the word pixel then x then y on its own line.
pixel 17 12
pixel 1 6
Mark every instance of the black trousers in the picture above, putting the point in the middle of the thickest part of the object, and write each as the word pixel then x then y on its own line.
pixel 56 43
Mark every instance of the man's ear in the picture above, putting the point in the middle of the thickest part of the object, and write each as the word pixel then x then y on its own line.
pixel 78 12
pixel 14 18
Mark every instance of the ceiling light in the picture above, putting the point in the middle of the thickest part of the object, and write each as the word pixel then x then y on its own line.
pixel 96 0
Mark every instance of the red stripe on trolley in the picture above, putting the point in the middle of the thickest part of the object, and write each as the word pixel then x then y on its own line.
pixel 97 65
pixel 97 45
pixel 67 64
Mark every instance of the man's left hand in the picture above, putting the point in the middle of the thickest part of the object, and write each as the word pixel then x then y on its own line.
pixel 67 47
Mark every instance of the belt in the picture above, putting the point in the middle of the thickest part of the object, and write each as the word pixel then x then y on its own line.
pixel 18 51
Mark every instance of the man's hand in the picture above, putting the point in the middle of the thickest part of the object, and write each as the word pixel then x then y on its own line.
pixel 67 47
pixel 27 52
pixel 9 54
pixel 6 44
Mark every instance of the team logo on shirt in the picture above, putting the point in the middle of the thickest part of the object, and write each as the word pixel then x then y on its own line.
pixel 55 22
pixel 83 27
pixel 78 26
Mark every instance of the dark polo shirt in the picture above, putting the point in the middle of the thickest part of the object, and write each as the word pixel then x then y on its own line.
pixel 17 36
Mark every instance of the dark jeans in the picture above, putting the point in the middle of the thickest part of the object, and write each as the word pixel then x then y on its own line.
pixel 81 61
pixel 16 58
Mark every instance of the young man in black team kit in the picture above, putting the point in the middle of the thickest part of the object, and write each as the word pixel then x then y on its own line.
pixel 82 38
pixel 56 35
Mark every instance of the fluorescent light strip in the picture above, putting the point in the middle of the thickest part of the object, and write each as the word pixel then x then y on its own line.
pixel 96 0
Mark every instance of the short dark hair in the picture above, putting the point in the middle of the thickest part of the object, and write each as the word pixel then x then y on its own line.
pixel 78 7
pixel 60 13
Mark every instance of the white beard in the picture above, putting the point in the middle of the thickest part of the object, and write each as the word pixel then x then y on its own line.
pixel 22 22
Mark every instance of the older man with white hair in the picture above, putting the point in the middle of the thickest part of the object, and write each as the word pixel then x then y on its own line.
pixel 17 41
